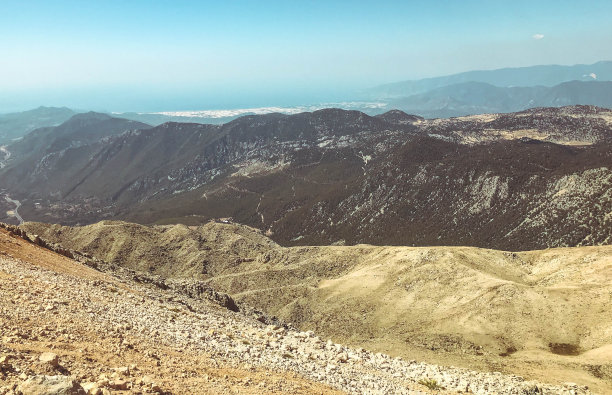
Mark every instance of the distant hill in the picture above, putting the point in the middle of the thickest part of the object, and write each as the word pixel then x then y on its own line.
pixel 576 92
pixel 545 75
pixel 158 118
pixel 18 124
pixel 80 129
pixel 33 156
pixel 479 98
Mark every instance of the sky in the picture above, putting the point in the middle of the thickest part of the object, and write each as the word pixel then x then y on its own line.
pixel 153 55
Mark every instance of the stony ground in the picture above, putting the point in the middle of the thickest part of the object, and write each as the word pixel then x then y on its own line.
pixel 67 328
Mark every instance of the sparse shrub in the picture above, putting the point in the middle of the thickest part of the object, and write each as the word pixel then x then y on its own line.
pixel 431 384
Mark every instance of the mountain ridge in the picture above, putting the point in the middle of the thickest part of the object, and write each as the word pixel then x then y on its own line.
pixel 344 177
pixel 546 75
pixel 469 98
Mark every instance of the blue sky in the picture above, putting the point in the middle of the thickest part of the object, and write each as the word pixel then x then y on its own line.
pixel 154 55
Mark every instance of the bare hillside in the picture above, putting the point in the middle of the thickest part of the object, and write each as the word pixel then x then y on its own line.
pixel 100 329
pixel 542 314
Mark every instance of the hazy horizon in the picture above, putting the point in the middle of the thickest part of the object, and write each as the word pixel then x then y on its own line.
pixel 187 55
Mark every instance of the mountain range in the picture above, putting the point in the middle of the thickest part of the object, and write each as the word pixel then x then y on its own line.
pixel 468 93
pixel 542 75
pixel 470 98
pixel 533 179
pixel 503 90
pixel 316 251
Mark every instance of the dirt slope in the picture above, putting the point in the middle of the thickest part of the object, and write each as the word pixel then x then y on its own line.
pixel 49 303
pixel 164 250
pixel 542 314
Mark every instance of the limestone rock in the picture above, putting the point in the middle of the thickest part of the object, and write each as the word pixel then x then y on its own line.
pixel 51 385
pixel 120 385
pixel 49 358
pixel 91 388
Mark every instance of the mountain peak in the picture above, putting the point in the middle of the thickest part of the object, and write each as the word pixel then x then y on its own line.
pixel 399 117
pixel 91 116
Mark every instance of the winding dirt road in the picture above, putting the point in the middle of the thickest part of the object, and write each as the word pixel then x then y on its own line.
pixel 15 212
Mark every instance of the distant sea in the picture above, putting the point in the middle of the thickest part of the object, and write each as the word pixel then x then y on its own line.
pixel 226 115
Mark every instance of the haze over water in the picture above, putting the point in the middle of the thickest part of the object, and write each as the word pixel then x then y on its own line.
pixel 199 55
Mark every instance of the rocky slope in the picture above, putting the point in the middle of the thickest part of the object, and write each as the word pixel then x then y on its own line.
pixel 535 179
pixel 573 125
pixel 541 314
pixel 107 331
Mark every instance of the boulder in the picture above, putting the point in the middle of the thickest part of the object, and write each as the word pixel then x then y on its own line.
pixel 51 385
pixel 49 358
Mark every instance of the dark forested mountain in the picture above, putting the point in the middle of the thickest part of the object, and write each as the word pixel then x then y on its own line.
pixel 176 156
pixel 545 75
pixel 80 129
pixel 525 180
pixel 15 125
pixel 47 155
